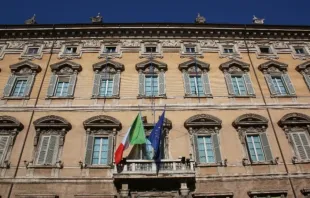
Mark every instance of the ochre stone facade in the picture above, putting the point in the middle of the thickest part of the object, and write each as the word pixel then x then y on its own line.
pixel 232 178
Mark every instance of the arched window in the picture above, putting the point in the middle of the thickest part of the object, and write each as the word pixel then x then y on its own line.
pixel 297 129
pixel 151 78
pixel 253 136
pixel 21 80
pixel 107 79
pixel 49 139
pixel 100 131
pixel 195 78
pixel 9 128
pixel 204 132
pixel 237 78
pixel 278 80
pixel 63 79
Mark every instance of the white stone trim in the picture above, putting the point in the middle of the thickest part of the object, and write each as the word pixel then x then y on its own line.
pixel 198 52
pixel 157 54
pixel 235 54
pixel 272 55
pixel 39 55
pixel 2 50
pixel 77 55
pixel 304 56
pixel 103 54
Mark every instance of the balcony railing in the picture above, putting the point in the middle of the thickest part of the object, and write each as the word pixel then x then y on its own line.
pixel 149 166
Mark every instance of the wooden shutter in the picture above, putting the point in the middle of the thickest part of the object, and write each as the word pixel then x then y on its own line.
pixel 52 150
pixel 270 84
pixel 206 84
pixel 4 142
pixel 43 149
pixel 161 84
pixel 30 81
pixel 216 147
pixel 305 142
pixel 89 149
pixel 71 86
pixel 97 79
pixel 116 84
pixel 298 146
pixel 307 79
pixel 110 150
pixel 187 86
pixel 141 84
pixel 52 85
pixel 289 84
pixel 229 84
pixel 248 83
pixel 266 147
pixel 196 149
pixel 9 85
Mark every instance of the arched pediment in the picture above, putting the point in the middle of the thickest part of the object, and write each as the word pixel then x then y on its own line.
pixel 304 67
pixel 203 121
pixel 167 123
pixel 25 67
pixel 102 122
pixel 235 66
pixel 52 121
pixel 157 64
pixel 66 64
pixel 272 66
pixel 8 122
pixel 188 64
pixel 294 119
pixel 113 64
pixel 250 120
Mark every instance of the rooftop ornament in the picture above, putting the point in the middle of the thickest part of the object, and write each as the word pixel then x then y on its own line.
pixel 96 19
pixel 31 21
pixel 200 19
pixel 257 20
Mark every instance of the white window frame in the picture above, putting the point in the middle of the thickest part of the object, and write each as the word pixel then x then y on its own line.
pixel 187 44
pixel 38 55
pixel 304 56
pixel 271 55
pixel 15 83
pixel 101 144
pixel 255 149
pixel 277 85
pixel 239 92
pixel 157 54
pixel 196 85
pixel 106 87
pixel 104 54
pixel 205 148
pixel 58 80
pixel 152 76
pixel 77 55
pixel 234 54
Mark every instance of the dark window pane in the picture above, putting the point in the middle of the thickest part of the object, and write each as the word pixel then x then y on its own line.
pixel 264 50
pixel 150 49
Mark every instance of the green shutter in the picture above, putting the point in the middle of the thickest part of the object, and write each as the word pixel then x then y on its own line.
pixel 96 86
pixel 30 81
pixel 266 147
pixel 307 79
pixel 116 84
pixel 289 84
pixel 229 84
pixel 52 85
pixel 110 150
pixel 216 147
pixel 270 84
pixel 52 150
pixel 4 141
pixel 161 82
pixel 72 83
pixel 187 86
pixel 89 149
pixel 43 149
pixel 206 84
pixel 9 86
pixel 196 150
pixel 248 83
pixel 141 84
pixel 298 146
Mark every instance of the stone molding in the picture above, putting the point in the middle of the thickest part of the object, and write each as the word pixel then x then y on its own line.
pixel 250 120
pixel 52 122
pixel 231 44
pixel 110 55
pixel 273 66
pixel 151 43
pixel 269 56
pixel 38 55
pixel 105 63
pixel 25 68
pixel 235 66
pixel 142 66
pixel 76 55
pixel 201 65
pixel 198 52
pixel 102 122
pixel 254 193
pixel 203 121
pixel 66 67
pixel 304 56
pixel 291 119
pixel 304 67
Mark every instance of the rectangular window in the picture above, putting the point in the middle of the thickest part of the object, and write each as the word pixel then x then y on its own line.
pixel 32 50
pixel 19 87
pixel 264 50
pixel 190 50
pixel 299 50
pixel 62 86
pixel 239 85
pixel 228 50
pixel 302 146
pixel 255 148
pixel 205 149
pixel 196 85
pixel 279 86
pixel 106 87
pixel 70 50
pixel 110 49
pixel 151 85
pixel 48 150
pixel 150 49
pixel 100 151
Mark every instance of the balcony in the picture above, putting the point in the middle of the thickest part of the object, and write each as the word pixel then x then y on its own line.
pixel 147 168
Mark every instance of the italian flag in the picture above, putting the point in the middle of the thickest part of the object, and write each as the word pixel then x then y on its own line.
pixel 134 135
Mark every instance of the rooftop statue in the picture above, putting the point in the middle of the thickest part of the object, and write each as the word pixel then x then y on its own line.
pixel 96 19
pixel 31 21
pixel 257 20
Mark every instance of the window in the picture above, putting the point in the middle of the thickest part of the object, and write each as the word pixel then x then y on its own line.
pixel 48 151
pixel 265 50
pixel 100 151
pixel 62 86
pixel 299 50
pixel 190 50
pixel 255 148
pixel 150 49
pixel 205 148
pixel 228 50
pixel 106 87
pixel 147 151
pixel 19 87
pixel 301 144
pixel 196 86
pixel 151 85
pixel 4 143
pixel 70 50
pixel 110 49
pixel 239 85
pixel 279 85
pixel 32 50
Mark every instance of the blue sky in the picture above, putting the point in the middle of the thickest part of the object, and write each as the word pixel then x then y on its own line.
pixel 116 11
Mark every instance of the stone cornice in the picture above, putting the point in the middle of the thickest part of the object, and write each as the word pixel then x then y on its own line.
pixel 152 30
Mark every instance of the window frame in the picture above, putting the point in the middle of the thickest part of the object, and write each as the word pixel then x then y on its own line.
pixel 273 76
pixel 295 55
pixel 196 85
pixel 109 55
pixel 151 43
pixel 3 47
pixel 261 55
pixel 152 76
pixel 304 70
pixel 38 55
pixel 233 46
pixel 198 53
pixel 72 44
pixel 18 78
pixel 60 79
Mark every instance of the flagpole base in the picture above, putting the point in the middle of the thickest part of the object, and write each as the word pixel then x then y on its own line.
pixel 124 192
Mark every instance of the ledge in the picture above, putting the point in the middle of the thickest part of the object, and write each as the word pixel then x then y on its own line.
pixel 208 165
pixel 98 167
pixel 152 97
pixel 60 97
pixel 37 195
pixel 44 166
pixel 105 97
pixel 213 194
pixel 245 96
pixel 203 96
pixel 283 96
pixel 301 161
pixel 267 192
pixel 16 97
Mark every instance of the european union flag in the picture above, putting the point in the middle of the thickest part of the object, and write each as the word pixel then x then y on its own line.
pixel 155 137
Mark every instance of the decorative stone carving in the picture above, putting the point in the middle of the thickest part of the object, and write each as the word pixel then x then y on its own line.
pixel 208 43
pixel 91 43
pixel 203 121
pixel 30 56
pixel 292 119
pixel 191 44
pixel 280 44
pixel 200 19
pixel 250 120
pixel 66 67
pixel 109 55
pixel 273 192
pixel 31 21
pixel 25 68
pixel 102 122
pixel 302 56
pixel 144 66
pixel 151 43
pixel 131 43
pixel 269 56
pixel 16 44
pixel 192 63
pixel 2 50
pixel 74 55
pixel 232 45
pixel 235 66
pixel 258 20
pixel 171 43
pixel 304 69
pixel 108 66
pixel 52 122
pixel 97 19
pixel 273 66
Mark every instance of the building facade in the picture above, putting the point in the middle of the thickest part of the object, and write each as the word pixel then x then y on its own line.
pixel 236 97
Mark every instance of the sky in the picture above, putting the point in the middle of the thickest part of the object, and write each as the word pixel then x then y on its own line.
pixel 281 12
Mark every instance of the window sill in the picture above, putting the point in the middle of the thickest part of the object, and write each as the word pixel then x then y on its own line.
pixel 247 162
pixel 208 165
pixel 298 161
pixel 60 97
pixel 152 97
pixel 16 98
pixel 105 97
pixel 242 96
pixel 99 166
pixel 283 96
pixel 37 166
pixel 203 96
